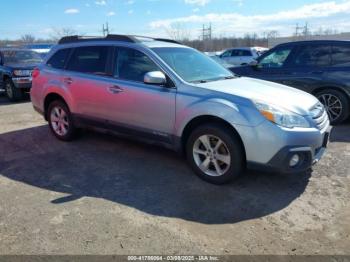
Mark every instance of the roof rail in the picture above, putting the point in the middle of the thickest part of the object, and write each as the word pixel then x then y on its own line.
pixel 122 38
pixel 76 38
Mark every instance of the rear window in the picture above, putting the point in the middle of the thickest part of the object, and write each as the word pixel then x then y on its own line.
pixel 341 55
pixel 89 59
pixel 58 60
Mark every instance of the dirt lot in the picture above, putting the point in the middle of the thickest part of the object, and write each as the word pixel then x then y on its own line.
pixel 104 195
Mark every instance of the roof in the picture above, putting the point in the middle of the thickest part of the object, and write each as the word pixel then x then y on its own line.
pixel 148 41
pixel 315 42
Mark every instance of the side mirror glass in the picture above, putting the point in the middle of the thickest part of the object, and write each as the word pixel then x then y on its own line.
pixel 155 78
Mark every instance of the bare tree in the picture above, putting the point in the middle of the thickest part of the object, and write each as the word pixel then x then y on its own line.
pixel 58 33
pixel 27 39
pixel 178 32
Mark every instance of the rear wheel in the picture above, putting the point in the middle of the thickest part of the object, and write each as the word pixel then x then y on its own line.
pixel 215 154
pixel 336 104
pixel 60 121
pixel 13 94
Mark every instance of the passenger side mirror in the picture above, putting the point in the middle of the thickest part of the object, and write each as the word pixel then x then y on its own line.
pixel 155 78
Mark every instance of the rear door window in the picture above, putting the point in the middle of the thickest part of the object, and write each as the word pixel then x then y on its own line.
pixel 90 59
pixel 313 56
pixel 58 60
pixel 245 53
pixel 341 56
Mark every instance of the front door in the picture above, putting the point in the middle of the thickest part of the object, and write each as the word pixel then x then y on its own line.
pixel 134 104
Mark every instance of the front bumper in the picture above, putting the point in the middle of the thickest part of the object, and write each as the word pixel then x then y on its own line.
pixel 22 82
pixel 271 148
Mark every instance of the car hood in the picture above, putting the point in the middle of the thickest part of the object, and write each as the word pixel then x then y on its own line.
pixel 292 99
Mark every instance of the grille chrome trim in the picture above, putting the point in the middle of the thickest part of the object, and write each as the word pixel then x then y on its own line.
pixel 319 116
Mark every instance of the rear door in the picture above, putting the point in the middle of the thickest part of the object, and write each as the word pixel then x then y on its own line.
pixel 339 72
pixel 88 78
pixel 309 67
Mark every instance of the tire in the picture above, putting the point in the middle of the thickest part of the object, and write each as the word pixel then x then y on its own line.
pixel 341 107
pixel 13 94
pixel 61 121
pixel 229 157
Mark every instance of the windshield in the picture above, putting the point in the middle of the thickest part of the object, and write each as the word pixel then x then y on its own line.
pixel 193 66
pixel 21 57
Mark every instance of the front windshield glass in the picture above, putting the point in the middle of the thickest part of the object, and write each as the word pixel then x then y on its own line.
pixel 193 66
pixel 21 57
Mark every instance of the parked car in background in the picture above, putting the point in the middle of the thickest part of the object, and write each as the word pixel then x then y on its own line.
pixel 242 56
pixel 16 66
pixel 161 91
pixel 220 61
pixel 320 67
pixel 42 49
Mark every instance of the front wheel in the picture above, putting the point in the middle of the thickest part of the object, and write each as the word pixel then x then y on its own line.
pixel 336 104
pixel 13 94
pixel 215 153
pixel 60 121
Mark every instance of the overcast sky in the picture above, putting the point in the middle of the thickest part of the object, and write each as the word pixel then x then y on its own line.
pixel 153 17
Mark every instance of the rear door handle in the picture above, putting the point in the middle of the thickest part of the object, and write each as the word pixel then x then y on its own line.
pixel 68 80
pixel 115 89
pixel 317 72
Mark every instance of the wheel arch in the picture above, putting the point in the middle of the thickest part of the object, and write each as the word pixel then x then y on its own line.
pixel 205 119
pixel 337 88
pixel 49 98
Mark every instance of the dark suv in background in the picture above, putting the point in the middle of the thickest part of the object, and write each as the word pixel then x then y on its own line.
pixel 321 68
pixel 16 66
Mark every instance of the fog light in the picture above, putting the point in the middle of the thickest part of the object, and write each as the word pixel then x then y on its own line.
pixel 294 160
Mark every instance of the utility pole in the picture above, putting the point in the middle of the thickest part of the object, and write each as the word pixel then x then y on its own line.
pixel 304 30
pixel 105 29
pixel 206 32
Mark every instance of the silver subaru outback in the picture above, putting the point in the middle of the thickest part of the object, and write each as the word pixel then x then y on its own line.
pixel 163 92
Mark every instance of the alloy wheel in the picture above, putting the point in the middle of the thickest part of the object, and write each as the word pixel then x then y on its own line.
pixel 333 105
pixel 59 121
pixel 211 155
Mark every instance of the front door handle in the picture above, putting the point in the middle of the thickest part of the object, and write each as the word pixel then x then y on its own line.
pixel 115 89
pixel 68 80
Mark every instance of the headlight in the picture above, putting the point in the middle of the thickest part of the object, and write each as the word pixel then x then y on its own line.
pixel 22 72
pixel 281 117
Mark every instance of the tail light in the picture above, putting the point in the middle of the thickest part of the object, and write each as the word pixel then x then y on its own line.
pixel 36 72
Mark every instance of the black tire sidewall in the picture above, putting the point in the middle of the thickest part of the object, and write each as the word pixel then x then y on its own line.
pixel 343 99
pixel 71 130
pixel 16 93
pixel 233 144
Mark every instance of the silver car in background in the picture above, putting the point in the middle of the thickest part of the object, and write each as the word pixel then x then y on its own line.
pixel 163 92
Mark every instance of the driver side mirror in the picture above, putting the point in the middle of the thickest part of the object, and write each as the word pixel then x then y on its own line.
pixel 155 78
pixel 254 63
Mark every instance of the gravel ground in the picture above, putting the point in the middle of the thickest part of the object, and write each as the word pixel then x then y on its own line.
pixel 105 195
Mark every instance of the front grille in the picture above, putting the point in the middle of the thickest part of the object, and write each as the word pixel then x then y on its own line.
pixel 320 117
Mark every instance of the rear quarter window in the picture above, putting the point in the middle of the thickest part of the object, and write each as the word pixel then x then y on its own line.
pixel 58 60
